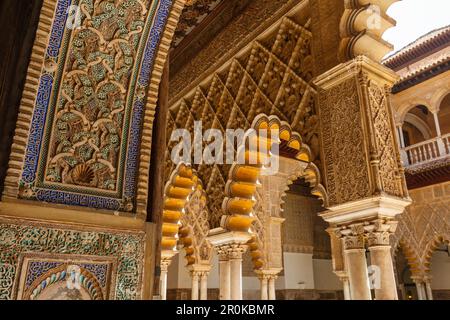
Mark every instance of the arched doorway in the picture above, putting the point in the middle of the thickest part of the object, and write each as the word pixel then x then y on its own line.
pixel 406 286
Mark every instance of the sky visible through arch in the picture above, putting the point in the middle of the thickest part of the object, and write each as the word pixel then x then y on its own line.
pixel 416 18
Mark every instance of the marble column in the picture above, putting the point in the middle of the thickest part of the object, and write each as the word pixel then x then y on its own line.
pixel 428 289
pixel 163 279
pixel 224 277
pixel 235 254
pixel 440 142
pixel 381 258
pixel 401 138
pixel 230 246
pixel 400 135
pixel 346 287
pixel 436 123
pixel 264 287
pixel 272 292
pixel 355 255
pixel 204 286
pixel 421 295
pixel 194 287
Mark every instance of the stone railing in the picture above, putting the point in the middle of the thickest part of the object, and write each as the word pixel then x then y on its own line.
pixel 427 151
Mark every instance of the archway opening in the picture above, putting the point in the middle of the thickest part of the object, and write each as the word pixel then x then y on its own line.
pixel 444 116
pixel 406 287
pixel 439 271
pixel 418 126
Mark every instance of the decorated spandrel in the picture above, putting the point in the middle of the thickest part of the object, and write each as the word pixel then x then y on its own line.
pixel 84 138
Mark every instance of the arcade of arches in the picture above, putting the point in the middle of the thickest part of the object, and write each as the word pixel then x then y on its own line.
pixel 94 207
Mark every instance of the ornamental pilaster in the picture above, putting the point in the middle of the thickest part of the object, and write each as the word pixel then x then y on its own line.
pixel 359 144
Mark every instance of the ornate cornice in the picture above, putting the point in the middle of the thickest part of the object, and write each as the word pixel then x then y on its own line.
pixel 424 46
pixel 239 32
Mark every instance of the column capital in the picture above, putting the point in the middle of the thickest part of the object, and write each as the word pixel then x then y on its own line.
pixel 379 232
pixel 353 236
pixel 231 251
pixel 374 233
pixel 417 279
pixel 165 263
pixel 268 274
pixel 342 276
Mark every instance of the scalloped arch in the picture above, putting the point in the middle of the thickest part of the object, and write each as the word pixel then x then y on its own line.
pixel 243 181
pixel 410 255
pixel 432 245
pixel 180 187
pixel 87 281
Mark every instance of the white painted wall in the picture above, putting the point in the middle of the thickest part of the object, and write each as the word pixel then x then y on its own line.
pixel 440 271
pixel 324 278
pixel 298 267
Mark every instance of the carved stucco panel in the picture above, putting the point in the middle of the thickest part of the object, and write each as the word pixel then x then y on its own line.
pixel 345 163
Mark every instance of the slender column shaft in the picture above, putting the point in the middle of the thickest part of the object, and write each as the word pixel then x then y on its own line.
pixel 401 137
pixel 380 256
pixel 194 287
pixel 440 142
pixel 346 286
pixel 420 292
pixel 264 288
pixel 163 285
pixel 428 289
pixel 225 277
pixel 436 123
pixel 272 293
pixel 236 278
pixel 204 286
pixel 358 274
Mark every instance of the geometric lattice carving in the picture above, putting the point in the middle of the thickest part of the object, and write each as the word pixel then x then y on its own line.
pixel 196 221
pixel 272 77
pixel 423 225
pixel 298 228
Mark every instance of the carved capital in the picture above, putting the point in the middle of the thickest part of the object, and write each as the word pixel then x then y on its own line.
pixel 231 251
pixel 222 252
pixel 165 263
pixel 235 251
pixel 195 274
pixel 271 274
pixel 379 232
pixel 353 236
